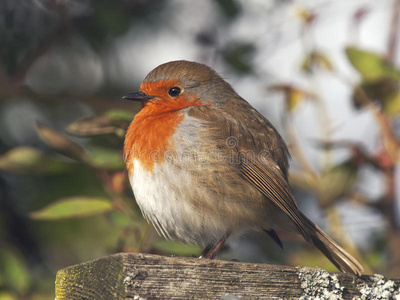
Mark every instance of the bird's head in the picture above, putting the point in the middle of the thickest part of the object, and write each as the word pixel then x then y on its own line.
pixel 180 84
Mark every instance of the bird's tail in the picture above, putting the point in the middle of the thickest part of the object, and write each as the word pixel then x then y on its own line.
pixel 336 254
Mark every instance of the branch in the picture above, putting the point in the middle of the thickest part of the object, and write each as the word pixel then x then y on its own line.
pixel 145 276
pixel 394 32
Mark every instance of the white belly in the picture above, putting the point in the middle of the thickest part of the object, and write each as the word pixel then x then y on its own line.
pixel 164 204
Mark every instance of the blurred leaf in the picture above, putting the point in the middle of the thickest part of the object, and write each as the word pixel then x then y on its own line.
pixel 391 104
pixel 15 272
pixel 230 8
pixel 28 160
pixel 303 180
pixel 206 38
pixel 120 181
pixel 110 122
pixel 106 19
pixel 305 15
pixel 336 182
pixel 239 56
pixel 121 219
pixel 73 207
pixel 293 95
pixel 380 90
pixel 316 59
pixel 117 115
pixel 91 126
pixel 375 259
pixel 42 295
pixel 334 144
pixel 176 248
pixel 62 144
pixel 359 97
pixel 108 159
pixel 370 65
pixel 360 14
pixel 8 296
pixel 294 98
pixel 312 258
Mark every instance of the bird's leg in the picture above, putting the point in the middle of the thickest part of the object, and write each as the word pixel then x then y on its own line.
pixel 216 248
pixel 206 250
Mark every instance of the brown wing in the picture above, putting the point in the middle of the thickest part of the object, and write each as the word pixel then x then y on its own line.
pixel 269 180
pixel 255 135
pixel 268 174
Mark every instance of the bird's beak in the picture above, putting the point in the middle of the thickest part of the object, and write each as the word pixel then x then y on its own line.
pixel 138 96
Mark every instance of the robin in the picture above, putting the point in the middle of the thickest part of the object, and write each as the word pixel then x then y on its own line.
pixel 204 164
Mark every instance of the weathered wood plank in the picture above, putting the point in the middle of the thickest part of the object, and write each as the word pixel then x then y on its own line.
pixel 145 276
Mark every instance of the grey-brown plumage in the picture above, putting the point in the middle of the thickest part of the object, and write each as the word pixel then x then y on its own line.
pixel 227 169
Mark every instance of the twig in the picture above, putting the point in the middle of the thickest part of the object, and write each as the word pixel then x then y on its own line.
pixel 394 32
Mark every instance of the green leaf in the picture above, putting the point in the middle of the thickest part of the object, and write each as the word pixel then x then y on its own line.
pixel 360 97
pixel 371 66
pixel 91 126
pixel 110 122
pixel 382 90
pixel 306 15
pixel 391 105
pixel 239 56
pixel 177 248
pixel 117 115
pixel 316 59
pixel 108 159
pixel 294 96
pixel 337 182
pixel 121 219
pixel 310 257
pixel 15 272
pixel 230 8
pixel 73 207
pixel 8 296
pixel 62 144
pixel 28 160
pixel 375 259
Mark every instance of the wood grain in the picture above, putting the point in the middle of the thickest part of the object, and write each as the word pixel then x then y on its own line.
pixel 145 276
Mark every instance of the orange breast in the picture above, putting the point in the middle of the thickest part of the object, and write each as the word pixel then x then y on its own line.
pixel 148 138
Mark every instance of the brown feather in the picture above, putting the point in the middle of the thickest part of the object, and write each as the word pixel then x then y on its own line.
pixel 272 185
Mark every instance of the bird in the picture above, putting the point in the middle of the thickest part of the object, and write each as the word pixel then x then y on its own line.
pixel 205 166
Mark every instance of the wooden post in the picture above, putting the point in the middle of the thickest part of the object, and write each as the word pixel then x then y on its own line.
pixel 145 276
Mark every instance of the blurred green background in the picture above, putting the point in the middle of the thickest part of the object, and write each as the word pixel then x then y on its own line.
pixel 325 74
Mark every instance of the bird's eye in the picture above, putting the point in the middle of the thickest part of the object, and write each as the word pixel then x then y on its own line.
pixel 174 91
